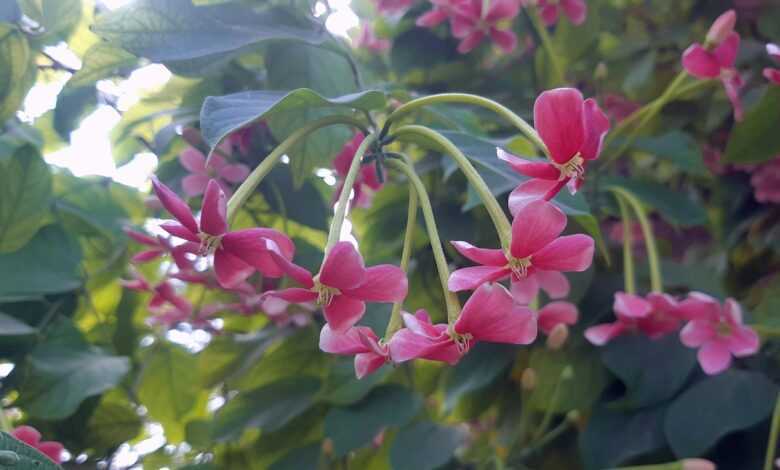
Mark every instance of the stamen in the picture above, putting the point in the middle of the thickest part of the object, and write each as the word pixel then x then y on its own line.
pixel 574 168
pixel 209 244
pixel 325 294
pixel 519 266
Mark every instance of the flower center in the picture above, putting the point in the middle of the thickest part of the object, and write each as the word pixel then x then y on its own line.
pixel 461 341
pixel 209 243
pixel 723 329
pixel 325 293
pixel 519 266
pixel 574 168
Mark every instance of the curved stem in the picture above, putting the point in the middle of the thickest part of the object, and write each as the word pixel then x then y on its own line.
pixel 411 217
pixel 502 224
pixel 628 252
pixel 253 180
pixel 450 299
pixel 549 47
pixel 475 100
pixel 774 434
pixel 346 190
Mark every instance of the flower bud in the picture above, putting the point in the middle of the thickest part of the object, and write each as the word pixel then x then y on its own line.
pixel 721 28
pixel 601 71
pixel 528 380
pixel 697 464
pixel 557 337
pixel 327 446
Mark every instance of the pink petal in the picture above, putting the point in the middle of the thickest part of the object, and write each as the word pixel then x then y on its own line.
pixel 663 303
pixel 596 125
pixel 406 345
pixel 343 312
pixel 502 10
pixel 344 343
pixel 700 63
pixel 549 14
pixel 294 295
pixel 576 10
pixel 714 357
pixel 773 75
pixel 252 246
pixel 556 313
pixel 194 185
pixel 420 324
pixel 569 253
pixel 173 204
pixel 142 238
pixel 461 26
pixel 558 119
pixel 27 434
pixel 485 256
pixel 180 231
pixel 193 160
pixel 213 217
pixel 696 333
pixel 230 270
pixel 234 173
pixel 535 226
pixel 343 267
pixel 368 175
pixel 506 40
pixel 383 283
pixel 475 276
pixel 52 450
pixel 733 312
pixel 146 256
pixel 743 342
pixel 296 272
pixel 732 84
pixel 432 18
pixel 726 52
pixel 470 42
pixel 554 283
pixel 525 289
pixel 631 306
pixel 491 315
pixel 722 27
pixel 530 191
pixel 698 306
pixel 534 169
pixel 217 162
pixel 600 335
pixel 367 363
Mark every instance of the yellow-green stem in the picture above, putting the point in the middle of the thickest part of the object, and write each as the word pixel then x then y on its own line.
pixel 628 252
pixel 450 299
pixel 559 77
pixel 411 217
pixel 500 221
pixel 475 100
pixel 249 185
pixel 566 374
pixel 5 424
pixel 346 190
pixel 774 434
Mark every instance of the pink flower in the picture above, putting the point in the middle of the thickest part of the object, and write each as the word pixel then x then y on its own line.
pixel 367 181
pixel 715 59
pixel 717 331
pixel 619 107
pixel 490 315
pixel 360 341
pixel 159 246
pixel 162 293
pixel 772 74
pixel 765 180
pixel 442 11
pixel 472 25
pixel 217 170
pixel 369 40
pixel 237 254
pixel 30 436
pixel 393 6
pixel 573 130
pixel 344 285
pixel 536 256
pixel 557 313
pixel 575 10
pixel 655 316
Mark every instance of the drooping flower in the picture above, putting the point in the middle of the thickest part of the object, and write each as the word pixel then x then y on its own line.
pixel 557 313
pixel 575 10
pixel 159 246
pixel 442 11
pixel 765 180
pixel 358 341
pixel 162 293
pixel 773 74
pixel 369 40
pixel 656 315
pixel 343 285
pixel 237 254
pixel 30 436
pixel 217 169
pixel 618 107
pixel 715 59
pixel 717 331
pixel 573 129
pixel 537 255
pixel 490 315
pixel 367 181
pixel 471 24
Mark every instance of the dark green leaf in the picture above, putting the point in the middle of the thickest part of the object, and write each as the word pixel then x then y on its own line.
pixel 72 106
pixel 281 195
pixel 101 61
pixel 677 147
pixel 343 388
pixel 297 459
pixel 755 139
pixel 675 206
pixel 27 458
pixel 10 11
pixel 481 366
pixel 55 17
pixel 16 73
pixel 112 424
pixel 424 446
pixel 578 392
pixel 640 74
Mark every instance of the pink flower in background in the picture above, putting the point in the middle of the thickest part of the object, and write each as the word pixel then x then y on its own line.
pixel 442 11
pixel 369 40
pixel 360 341
pixel 367 181
pixel 772 74
pixel 765 180
pixel 471 25
pixel 557 313
pixel 162 293
pixel 717 331
pixel 575 10
pixel 218 169
pixel 573 129
pixel 716 58
pixel 344 285
pixel 393 6
pixel 159 246
pixel 656 315
pixel 537 254
pixel 237 254
pixel 30 436
pixel 618 107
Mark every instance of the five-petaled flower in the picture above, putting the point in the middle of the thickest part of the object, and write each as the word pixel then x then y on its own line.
pixel 471 23
pixel 367 181
pixel 656 315
pixel 717 331
pixel 359 341
pixel 555 314
pixel 573 129
pixel 537 254
pixel 575 10
pixel 217 169
pixel 30 436
pixel 442 11
pixel 773 74
pixel 344 285
pixel 237 254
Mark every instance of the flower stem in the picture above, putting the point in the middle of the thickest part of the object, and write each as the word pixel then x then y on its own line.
pixel 555 60
pixel 411 217
pixel 628 252
pixel 500 221
pixel 249 185
pixel 349 181
pixel 450 299
pixel 5 425
pixel 774 434
pixel 566 374
pixel 475 100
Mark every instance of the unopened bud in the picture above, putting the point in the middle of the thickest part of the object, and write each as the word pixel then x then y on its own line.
pixel 697 464
pixel 327 446
pixel 721 28
pixel 557 337
pixel 528 379
pixel 601 71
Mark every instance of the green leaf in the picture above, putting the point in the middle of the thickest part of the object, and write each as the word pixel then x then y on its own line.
pixel 716 406
pixel 483 364
pixel 755 139
pixel 278 187
pixel 112 424
pixel 297 459
pixel 355 426
pixel 28 457
pixel 222 115
pixel 47 264
pixel 10 11
pixel 15 336
pixel 577 393
pixel 176 30
pixel 343 388
pixel 652 370
pixel 102 60
pixel 10 326
pixel 640 74
pixel 55 17
pixel 269 407
pixel 677 147
pixel 424 446
pixel 675 206
pixel 60 377
pixel 16 77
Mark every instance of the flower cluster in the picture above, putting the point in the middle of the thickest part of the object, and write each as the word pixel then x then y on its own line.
pixel 368 180
pixel 716 330
pixel 30 436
